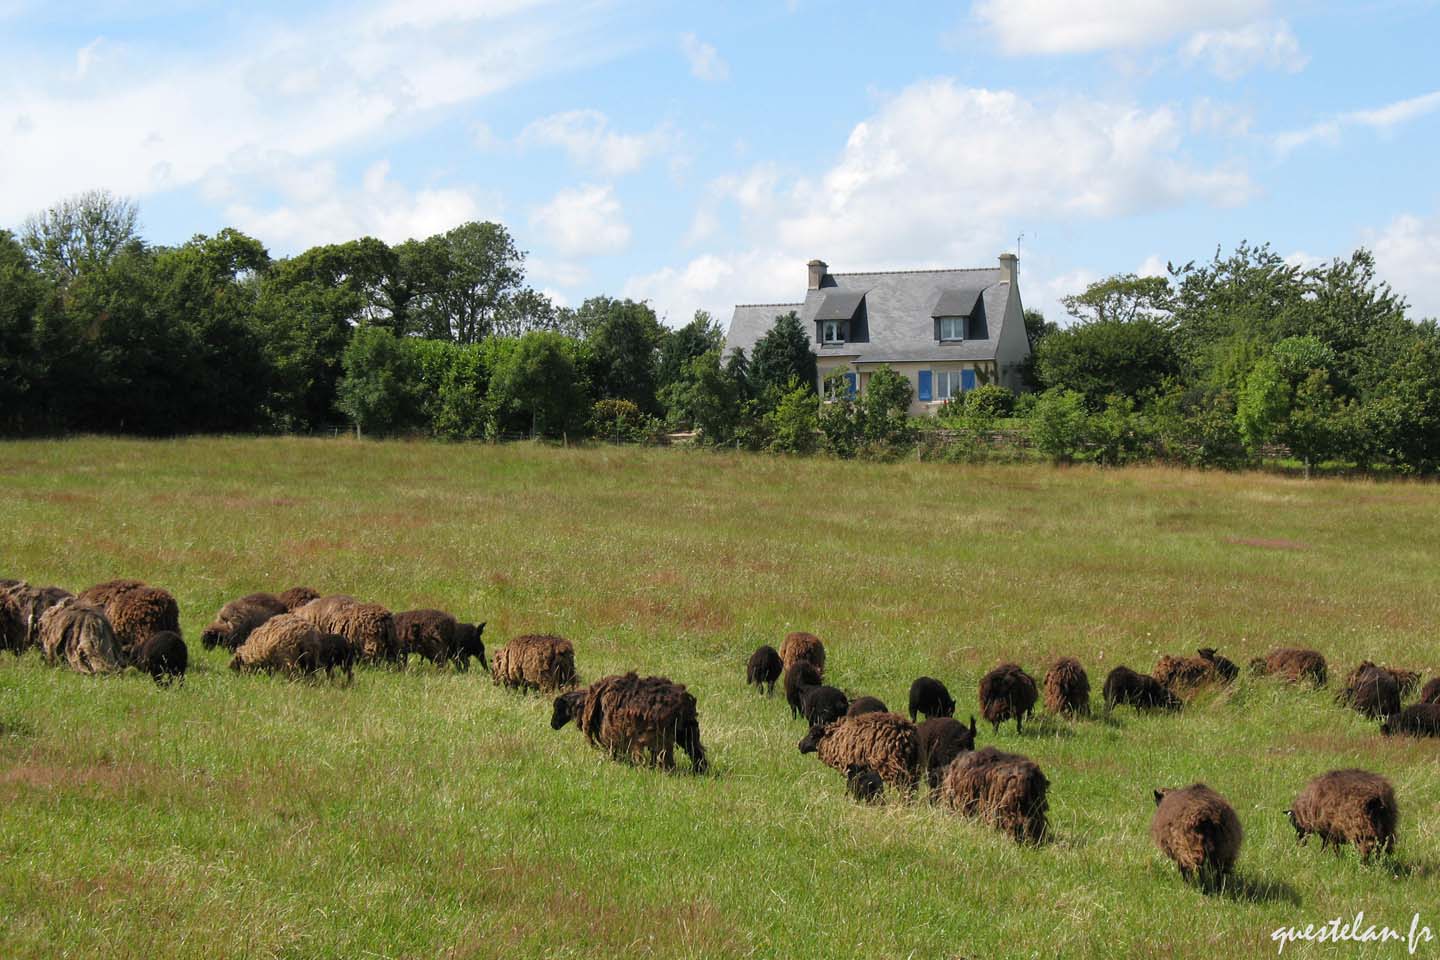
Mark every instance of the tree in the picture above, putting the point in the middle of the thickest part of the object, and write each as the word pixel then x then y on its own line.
pixel 22 371
pixel 377 391
pixel 81 233
pixel 1037 328
pixel 460 284
pixel 679 347
pixel 623 349
pixel 885 405
pixel 1101 357
pixel 1288 399
pixel 1057 424
pixel 537 386
pixel 782 355
pixel 1122 298
pixel 793 425
pixel 709 397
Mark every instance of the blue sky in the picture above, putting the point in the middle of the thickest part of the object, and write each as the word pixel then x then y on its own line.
pixel 697 155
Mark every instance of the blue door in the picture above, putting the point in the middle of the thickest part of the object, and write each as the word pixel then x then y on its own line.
pixel 967 379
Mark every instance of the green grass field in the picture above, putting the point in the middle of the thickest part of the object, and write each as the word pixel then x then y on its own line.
pixel 426 814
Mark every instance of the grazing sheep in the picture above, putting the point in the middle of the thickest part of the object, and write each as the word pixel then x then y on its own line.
pixel 1347 806
pixel 1005 790
pixel 1225 668
pixel 440 638
pixel 866 705
pixel 1418 720
pixel 1067 688
pixel 568 706
pixel 944 739
pixel 235 621
pixel 288 643
pixel 639 717
pixel 330 652
pixel 1006 692
pixel 764 669
pixel 929 696
pixel 1292 665
pixel 469 642
pixel 1197 829
pixel 1371 690
pixel 297 597
pixel 134 609
pixel 802 646
pixel 1406 680
pixel 863 783
pixel 886 742
pixel 102 593
pixel 798 676
pixel 21 607
pixel 1431 693
pixel 821 705
pixel 533 662
pixel 369 627
pixel 81 634
pixel 163 655
pixel 1180 673
pixel 1125 686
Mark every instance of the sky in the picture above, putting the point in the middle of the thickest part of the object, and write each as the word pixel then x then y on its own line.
pixel 697 155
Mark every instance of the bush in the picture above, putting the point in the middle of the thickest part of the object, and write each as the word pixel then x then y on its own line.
pixel 989 400
pixel 793 426
pixel 1057 424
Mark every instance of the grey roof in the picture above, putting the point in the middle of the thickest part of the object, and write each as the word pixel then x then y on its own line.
pixel 839 304
pixel 957 301
pixel 752 321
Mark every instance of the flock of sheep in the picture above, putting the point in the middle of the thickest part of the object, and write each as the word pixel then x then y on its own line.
pixel 126 623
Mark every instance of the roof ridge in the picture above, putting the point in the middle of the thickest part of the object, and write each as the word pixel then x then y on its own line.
pixel 860 273
pixel 798 303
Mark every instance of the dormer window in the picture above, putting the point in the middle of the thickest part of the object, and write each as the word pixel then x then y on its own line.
pixel 952 328
pixel 830 332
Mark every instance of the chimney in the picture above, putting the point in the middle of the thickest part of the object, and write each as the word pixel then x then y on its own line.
pixel 817 272
pixel 1009 268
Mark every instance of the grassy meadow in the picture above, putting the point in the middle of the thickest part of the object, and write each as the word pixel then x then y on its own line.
pixel 427 814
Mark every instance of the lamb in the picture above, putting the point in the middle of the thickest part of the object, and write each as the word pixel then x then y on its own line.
pixel 330 652
pixel 1292 665
pixel 288 643
pixel 297 597
pixel 1225 668
pixel 163 655
pixel 764 669
pixel 1431 693
pixel 369 627
pixel 21 607
pixel 886 742
pixel 798 676
pixel 821 704
pixel 1347 806
pixel 1197 829
pixel 944 739
pixel 440 638
pixel 1418 720
pixel 866 705
pixel 81 634
pixel 134 609
pixel 929 696
pixel 639 717
pixel 802 646
pixel 1371 690
pixel 237 619
pixel 1006 692
pixel 1005 790
pixel 1125 686
pixel 533 662
pixel 863 783
pixel 1067 688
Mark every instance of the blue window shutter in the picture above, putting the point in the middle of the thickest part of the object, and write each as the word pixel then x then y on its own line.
pixel 850 384
pixel 925 385
pixel 967 379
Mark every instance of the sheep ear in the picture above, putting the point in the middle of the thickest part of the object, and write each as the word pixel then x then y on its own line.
pixel 1159 795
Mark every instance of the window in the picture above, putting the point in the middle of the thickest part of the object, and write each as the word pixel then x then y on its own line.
pixel 830 332
pixel 952 328
pixel 949 383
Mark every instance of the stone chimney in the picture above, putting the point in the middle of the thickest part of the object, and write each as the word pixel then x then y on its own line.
pixel 817 272
pixel 1009 268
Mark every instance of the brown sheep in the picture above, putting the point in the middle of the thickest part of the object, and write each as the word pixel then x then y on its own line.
pixel 798 676
pixel 1067 688
pixel 1292 665
pixel 1406 680
pixel 802 646
pixel 1005 790
pixel 297 597
pixel 1180 673
pixel 1371 690
pixel 641 718
pixel 944 739
pixel 886 742
pixel 21 607
pixel 1007 692
pixel 81 634
pixel 1417 720
pixel 369 627
pixel 135 610
pixel 440 638
pixel 235 621
pixel 102 593
pixel 535 662
pixel 1431 693
pixel 287 643
pixel 1347 806
pixel 1197 829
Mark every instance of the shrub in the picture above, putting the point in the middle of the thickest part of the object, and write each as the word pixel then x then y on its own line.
pixel 793 426
pixel 1057 424
pixel 989 400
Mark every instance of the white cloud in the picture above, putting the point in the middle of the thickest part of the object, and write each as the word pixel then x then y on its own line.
pixel 1383 119
pixel 1407 254
pixel 705 61
pixel 586 136
pixel 1221 119
pixel 1086 26
pixel 584 221
pixel 85 57
pixel 1232 53
pixel 1153 266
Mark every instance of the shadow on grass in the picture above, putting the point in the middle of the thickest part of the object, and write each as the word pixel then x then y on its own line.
pixel 1047 726
pixel 1243 888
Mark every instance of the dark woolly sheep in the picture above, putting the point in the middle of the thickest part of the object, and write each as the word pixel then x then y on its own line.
pixel 440 638
pixel 81 634
pixel 1126 687
pixel 929 696
pixel 1007 692
pixel 328 652
pixel 1197 829
pixel 1184 673
pixel 102 593
pixel 369 627
pixel 1371 690
pixel 1225 668
pixel 288 643
pixel 1406 680
pixel 821 704
pixel 1347 806
pixel 1292 665
pixel 568 706
pixel 886 742
pixel 866 705
pixel 236 620
pixel 1418 720
pixel 535 662
pixel 469 642
pixel 1431 693
pixel 802 646
pixel 297 597
pixel 864 784
pixel 639 717
pixel 944 739
pixel 1067 688
pixel 1005 790
pixel 135 610
pixel 163 655
pixel 21 607
pixel 798 676
pixel 763 669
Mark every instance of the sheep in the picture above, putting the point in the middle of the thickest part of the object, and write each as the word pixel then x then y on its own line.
pixel 330 652
pixel 1431 693
pixel 440 638
pixel 134 609
pixel 80 633
pixel 798 676
pixel 102 593
pixel 929 696
pixel 369 627
pixel 1225 668
pixel 236 619
pixel 944 739
pixel 1006 692
pixel 1406 680
pixel 21 607
pixel 163 655
pixel 1125 686
pixel 1197 829
pixel 1067 688
pixel 288 643
pixel 1371 690
pixel 802 646
pixel 1177 673
pixel 1292 665
pixel 568 706
pixel 533 662
pixel 763 669
pixel 885 741
pixel 1418 720
pixel 1347 806
pixel 863 783
pixel 866 705
pixel 297 597
pixel 821 704
pixel 1005 790
pixel 639 717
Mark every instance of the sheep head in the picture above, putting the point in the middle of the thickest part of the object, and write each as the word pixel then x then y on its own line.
pixel 811 743
pixel 567 708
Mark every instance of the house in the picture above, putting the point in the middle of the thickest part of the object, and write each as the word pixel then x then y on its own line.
pixel 947 331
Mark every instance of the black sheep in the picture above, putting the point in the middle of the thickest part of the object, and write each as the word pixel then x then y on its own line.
pixel 1371 690
pixel 1419 720
pixel 944 738
pixel 163 656
pixel 1007 692
pixel 469 642
pixel 866 705
pixel 764 669
pixel 1227 669
pixel 802 673
pixel 329 652
pixel 821 705
pixel 1126 687
pixel 929 696
pixel 863 783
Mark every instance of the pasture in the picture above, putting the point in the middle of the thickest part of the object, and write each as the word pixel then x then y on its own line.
pixel 429 814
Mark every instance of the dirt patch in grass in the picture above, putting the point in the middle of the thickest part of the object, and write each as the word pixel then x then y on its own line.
pixel 104 778
pixel 1268 543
